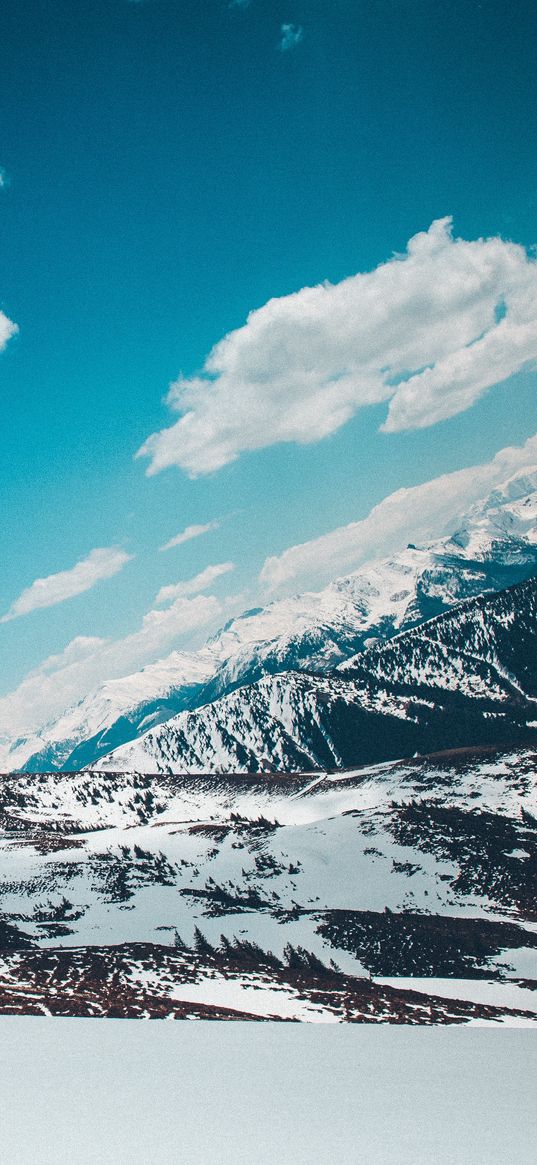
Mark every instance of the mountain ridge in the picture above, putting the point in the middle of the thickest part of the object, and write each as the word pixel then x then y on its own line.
pixel 494 546
pixel 422 691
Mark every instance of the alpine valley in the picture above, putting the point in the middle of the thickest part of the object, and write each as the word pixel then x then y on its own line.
pixel 328 813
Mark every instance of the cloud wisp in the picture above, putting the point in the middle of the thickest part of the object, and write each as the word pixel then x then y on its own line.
pixel 290 36
pixel 418 513
pixel 428 332
pixel 189 533
pixel 193 586
pixel 101 563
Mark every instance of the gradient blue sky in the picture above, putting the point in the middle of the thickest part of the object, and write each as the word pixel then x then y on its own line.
pixel 168 169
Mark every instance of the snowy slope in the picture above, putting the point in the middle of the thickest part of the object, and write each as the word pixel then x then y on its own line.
pixel 422 870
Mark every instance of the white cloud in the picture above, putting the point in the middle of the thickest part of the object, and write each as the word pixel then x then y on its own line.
pixel 418 513
pixel 81 647
pixel 87 662
pixel 7 330
pixel 290 35
pixel 4 180
pixel 101 563
pixel 430 332
pixel 194 585
pixel 190 532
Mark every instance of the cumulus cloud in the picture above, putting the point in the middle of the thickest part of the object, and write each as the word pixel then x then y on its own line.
pixel 290 36
pixel 193 586
pixel 417 513
pixel 190 532
pixel 101 563
pixel 428 332
pixel 88 661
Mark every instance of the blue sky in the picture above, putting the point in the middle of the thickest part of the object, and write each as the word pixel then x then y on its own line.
pixel 169 167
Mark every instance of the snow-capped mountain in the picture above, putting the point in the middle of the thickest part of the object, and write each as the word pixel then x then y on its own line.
pixel 115 713
pixel 494 547
pixel 466 677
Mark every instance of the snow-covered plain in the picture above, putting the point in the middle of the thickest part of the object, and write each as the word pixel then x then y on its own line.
pixel 126 1093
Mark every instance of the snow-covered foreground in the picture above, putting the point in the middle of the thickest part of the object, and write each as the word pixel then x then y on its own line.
pixel 125 1093
pixel 397 893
